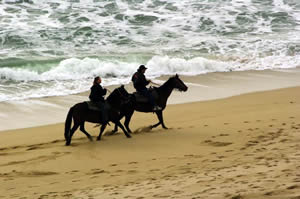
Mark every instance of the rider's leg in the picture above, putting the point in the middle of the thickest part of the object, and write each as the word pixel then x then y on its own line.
pixel 103 112
pixel 145 92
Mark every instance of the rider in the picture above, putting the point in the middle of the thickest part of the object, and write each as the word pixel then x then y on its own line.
pixel 140 82
pixel 97 97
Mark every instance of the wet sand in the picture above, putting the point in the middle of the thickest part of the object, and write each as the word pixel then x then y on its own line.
pixel 50 110
pixel 244 146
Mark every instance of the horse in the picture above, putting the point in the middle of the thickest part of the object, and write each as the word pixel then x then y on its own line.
pixel 80 113
pixel 163 93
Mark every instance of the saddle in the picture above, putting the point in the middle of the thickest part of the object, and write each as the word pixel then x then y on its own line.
pixel 142 99
pixel 92 106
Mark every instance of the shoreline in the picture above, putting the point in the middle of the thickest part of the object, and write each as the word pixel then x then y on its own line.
pixel 243 146
pixel 52 110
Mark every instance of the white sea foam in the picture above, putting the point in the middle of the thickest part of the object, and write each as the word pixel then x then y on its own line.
pixel 186 37
pixel 75 75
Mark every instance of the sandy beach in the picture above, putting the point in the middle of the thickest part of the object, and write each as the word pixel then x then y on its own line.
pixel 245 146
pixel 234 133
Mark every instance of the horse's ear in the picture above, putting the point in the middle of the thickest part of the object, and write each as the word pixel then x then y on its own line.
pixel 176 75
pixel 122 86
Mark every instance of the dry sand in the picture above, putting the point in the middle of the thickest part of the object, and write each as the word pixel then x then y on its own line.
pixel 245 146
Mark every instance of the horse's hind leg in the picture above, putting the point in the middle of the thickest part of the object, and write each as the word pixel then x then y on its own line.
pixel 127 120
pixel 82 129
pixel 75 127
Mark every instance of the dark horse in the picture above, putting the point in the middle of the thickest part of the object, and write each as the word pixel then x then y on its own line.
pixel 81 113
pixel 163 93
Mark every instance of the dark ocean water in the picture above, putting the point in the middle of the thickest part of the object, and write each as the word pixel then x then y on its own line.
pixel 55 47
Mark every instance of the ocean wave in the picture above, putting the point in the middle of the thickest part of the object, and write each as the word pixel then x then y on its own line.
pixel 55 47
pixel 75 75
pixel 77 69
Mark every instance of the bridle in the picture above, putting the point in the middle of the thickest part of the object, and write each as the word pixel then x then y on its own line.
pixel 181 84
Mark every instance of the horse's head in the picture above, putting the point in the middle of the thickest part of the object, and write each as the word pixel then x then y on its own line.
pixel 118 97
pixel 178 83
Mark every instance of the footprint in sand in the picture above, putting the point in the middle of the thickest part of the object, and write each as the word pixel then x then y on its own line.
pixel 132 171
pixel 98 172
pixel 119 171
pixel 33 148
pixel 132 162
pixel 223 134
pixel 293 187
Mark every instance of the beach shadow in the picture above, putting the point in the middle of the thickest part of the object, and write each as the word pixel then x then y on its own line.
pixel 142 129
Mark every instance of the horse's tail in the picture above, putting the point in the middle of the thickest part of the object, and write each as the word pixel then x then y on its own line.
pixel 68 123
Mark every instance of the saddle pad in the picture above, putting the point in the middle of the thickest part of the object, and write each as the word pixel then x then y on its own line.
pixel 140 98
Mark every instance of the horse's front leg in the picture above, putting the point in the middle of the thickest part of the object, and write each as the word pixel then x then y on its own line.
pixel 161 120
pixel 101 131
pixel 118 123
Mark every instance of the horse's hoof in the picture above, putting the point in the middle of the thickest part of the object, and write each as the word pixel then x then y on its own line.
pixel 91 139
pixel 98 139
pixel 128 136
pixel 68 143
pixel 165 127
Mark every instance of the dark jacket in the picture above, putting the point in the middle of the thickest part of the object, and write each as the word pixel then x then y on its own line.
pixel 97 93
pixel 139 81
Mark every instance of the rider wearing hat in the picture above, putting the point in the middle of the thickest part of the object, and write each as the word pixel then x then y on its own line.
pixel 140 82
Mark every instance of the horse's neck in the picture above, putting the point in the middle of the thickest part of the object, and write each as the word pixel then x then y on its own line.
pixel 111 101
pixel 165 90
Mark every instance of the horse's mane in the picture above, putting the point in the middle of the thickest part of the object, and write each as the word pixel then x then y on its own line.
pixel 115 94
pixel 166 83
pixel 112 95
